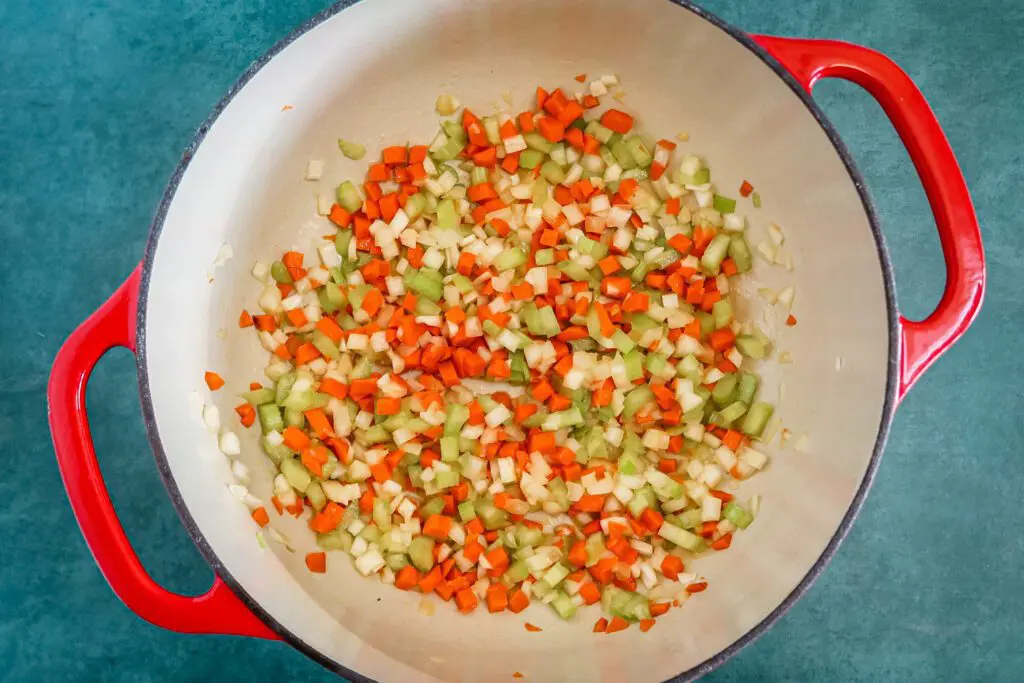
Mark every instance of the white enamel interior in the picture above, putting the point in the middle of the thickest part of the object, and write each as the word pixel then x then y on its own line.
pixel 371 73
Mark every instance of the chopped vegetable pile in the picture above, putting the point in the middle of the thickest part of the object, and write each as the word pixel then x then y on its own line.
pixel 514 375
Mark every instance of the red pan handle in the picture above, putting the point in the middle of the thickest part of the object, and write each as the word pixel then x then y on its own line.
pixel 219 610
pixel 922 342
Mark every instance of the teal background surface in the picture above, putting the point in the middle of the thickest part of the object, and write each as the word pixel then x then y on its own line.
pixel 98 98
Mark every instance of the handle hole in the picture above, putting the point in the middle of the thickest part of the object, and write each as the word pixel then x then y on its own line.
pixel 900 202
pixel 129 470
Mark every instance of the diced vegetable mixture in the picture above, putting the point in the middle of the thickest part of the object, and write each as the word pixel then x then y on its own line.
pixel 513 374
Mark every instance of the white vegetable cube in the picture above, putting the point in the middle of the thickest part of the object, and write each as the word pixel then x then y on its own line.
pixel 370 562
pixel 726 457
pixel 754 458
pixel 359 546
pixel 498 416
pixel 315 169
pixel 712 475
pixel 711 509
pixel 324 202
pixel 656 440
pixel 229 444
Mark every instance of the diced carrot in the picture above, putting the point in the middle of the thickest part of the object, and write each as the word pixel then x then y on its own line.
pixel 671 567
pixel 722 339
pixel 617 624
pixel 618 121
pixel 245 319
pixel 646 625
pixel 531 628
pixel 601 625
pixel 214 381
pixel 247 414
pixel 319 422
pixel 497 598
pixel 260 516
pixel 551 128
pixel 316 562
pixel 295 439
pixel 518 601
pixel 438 527
pixel 466 600
pixel 328 519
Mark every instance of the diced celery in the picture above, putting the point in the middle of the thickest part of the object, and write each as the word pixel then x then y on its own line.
pixel 682 538
pixel 446 479
pixel 747 388
pixel 722 311
pixel 635 400
pixel 425 282
pixel 520 370
pixel 563 419
pixel 276 453
pixel 725 390
pixel 325 346
pixel 298 476
pixel 564 606
pixel 642 499
pixel 530 158
pixel 280 273
pixel 434 506
pixel 656 363
pixel 751 347
pixel 739 252
pixel 316 496
pixel 552 171
pixel 462 283
pixel 352 150
pixel 707 322
pixel 622 341
pixel 756 198
pixel 688 519
pixel 640 150
pixel 541 322
pixel 513 257
pixel 622 155
pixel 715 253
pixel 545 257
pixel 339 539
pixel 331 297
pixel 555 574
pixel 421 553
pixel 535 140
pixel 447 217
pixel 348 197
pixel 457 415
pixel 600 132
pixel 449 448
pixel 414 206
pixel 574 270
pixel 466 511
pixel 259 396
pixel 375 434
pixel 595 548
pixel 450 149
pixel 629 464
pixel 724 204
pixel 732 412
pixel 270 418
pixel 757 418
pixel 492 517
pixel 518 571
pixel 634 361
pixel 737 515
